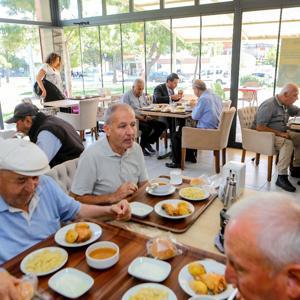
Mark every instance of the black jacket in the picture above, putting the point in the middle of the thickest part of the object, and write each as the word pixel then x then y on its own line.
pixel 71 144
pixel 52 91
pixel 160 94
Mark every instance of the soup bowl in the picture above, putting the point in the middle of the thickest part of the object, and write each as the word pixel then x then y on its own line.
pixel 160 185
pixel 102 255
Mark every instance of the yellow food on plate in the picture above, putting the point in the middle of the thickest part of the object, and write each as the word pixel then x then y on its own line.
pixel 183 208
pixel 198 287
pixel 163 248
pixel 197 181
pixel 192 193
pixel 170 209
pixel 196 269
pixel 150 294
pixel 79 234
pixel 44 261
pixel 216 283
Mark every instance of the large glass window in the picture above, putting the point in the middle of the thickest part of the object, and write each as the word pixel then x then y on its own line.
pixel 38 10
pixel 68 9
pixel 117 6
pixel 178 3
pixel 111 58
pixel 213 1
pixel 140 5
pixel 158 52
pixel 20 60
pixel 91 8
pixel 133 53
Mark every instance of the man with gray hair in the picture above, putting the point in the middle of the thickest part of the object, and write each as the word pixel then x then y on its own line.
pixel 113 168
pixel 151 128
pixel 262 245
pixel 33 206
pixel 272 116
pixel 207 113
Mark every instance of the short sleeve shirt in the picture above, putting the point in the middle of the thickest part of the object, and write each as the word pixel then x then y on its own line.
pixel 53 76
pixel 23 230
pixel 102 171
pixel 273 114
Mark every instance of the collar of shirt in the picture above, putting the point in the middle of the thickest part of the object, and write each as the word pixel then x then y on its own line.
pixel 108 151
pixel 279 103
pixel 170 91
pixel 139 99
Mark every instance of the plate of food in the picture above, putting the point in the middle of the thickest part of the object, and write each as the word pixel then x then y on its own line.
pixel 205 278
pixel 44 261
pixel 78 234
pixel 194 193
pixel 174 209
pixel 149 291
pixel 155 192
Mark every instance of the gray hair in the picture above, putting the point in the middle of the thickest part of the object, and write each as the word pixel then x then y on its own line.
pixel 288 88
pixel 113 108
pixel 199 84
pixel 137 82
pixel 277 219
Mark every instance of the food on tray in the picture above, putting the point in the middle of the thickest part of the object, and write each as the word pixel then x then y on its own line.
pixel 192 193
pixel 150 294
pixel 181 209
pixel 198 287
pixel 163 248
pixel 103 253
pixel 44 261
pixel 197 181
pixel 180 109
pixel 79 234
pixel 214 283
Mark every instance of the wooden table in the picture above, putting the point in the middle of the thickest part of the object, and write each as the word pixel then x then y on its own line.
pixel 184 115
pixel 112 283
pixel 66 103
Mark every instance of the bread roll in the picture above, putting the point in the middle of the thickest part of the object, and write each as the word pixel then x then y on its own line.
pixel 163 249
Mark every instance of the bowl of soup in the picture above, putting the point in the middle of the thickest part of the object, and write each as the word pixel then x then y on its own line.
pixel 102 255
pixel 160 185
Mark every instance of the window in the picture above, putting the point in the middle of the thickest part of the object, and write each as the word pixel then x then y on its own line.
pixel 68 9
pixel 117 6
pixel 178 3
pixel 91 8
pixel 141 5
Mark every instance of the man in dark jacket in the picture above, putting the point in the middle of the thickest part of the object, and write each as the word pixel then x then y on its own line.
pixel 57 138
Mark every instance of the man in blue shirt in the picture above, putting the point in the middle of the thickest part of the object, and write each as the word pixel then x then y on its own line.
pixel 32 206
pixel 207 112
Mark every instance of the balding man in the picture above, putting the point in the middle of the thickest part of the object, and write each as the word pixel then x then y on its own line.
pixel 114 167
pixel 207 113
pixel 32 206
pixel 151 128
pixel 262 246
pixel 272 116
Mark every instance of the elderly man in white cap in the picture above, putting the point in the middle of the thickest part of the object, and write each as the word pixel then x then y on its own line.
pixel 33 206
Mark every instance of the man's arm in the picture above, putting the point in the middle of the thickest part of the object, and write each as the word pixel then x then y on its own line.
pixel 8 289
pixel 268 129
pixel 49 143
pixel 159 96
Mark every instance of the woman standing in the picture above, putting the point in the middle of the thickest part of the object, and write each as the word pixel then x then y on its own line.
pixel 49 79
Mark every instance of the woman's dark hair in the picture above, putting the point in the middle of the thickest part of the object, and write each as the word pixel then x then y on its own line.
pixel 52 57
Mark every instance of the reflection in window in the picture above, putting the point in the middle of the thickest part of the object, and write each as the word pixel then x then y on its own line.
pixel 178 3
pixel 20 60
pixel 111 58
pixel 133 53
pixel 141 5
pixel 38 10
pixel 117 6
pixel 68 9
pixel 91 8
pixel 158 52
pixel 186 50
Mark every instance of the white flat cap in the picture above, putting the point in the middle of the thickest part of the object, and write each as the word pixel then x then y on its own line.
pixel 22 157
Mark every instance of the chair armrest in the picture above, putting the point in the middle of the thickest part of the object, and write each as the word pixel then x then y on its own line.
pixel 259 141
pixel 73 119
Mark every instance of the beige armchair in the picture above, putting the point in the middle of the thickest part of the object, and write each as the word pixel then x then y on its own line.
pixel 86 119
pixel 209 139
pixel 256 141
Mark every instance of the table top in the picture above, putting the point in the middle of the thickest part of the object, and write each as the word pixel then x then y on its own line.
pixel 165 114
pixel 112 283
pixel 245 89
pixel 62 103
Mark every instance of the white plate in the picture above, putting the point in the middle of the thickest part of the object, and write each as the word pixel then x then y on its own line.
pixel 70 283
pixel 204 197
pixel 32 254
pixel 140 209
pixel 184 277
pixel 160 211
pixel 61 233
pixel 135 289
pixel 149 269
pixel 153 193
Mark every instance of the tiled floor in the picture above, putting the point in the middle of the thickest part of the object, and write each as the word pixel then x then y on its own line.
pixel 256 176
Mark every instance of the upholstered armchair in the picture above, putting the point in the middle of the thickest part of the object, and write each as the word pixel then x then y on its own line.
pixel 256 141
pixel 209 139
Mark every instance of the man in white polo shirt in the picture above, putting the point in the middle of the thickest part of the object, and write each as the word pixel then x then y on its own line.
pixel 113 168
pixel 32 206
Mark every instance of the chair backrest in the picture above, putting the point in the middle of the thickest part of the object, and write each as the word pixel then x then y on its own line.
pixel 88 113
pixel 246 116
pixel 226 104
pixel 63 174
pixel 225 125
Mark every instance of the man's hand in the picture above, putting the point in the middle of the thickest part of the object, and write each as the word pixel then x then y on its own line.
pixel 147 118
pixel 176 97
pixel 121 211
pixel 44 93
pixel 8 290
pixel 125 190
pixel 284 135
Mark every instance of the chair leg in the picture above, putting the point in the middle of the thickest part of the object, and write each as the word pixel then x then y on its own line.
pixel 257 158
pixel 96 133
pixel 81 134
pixel 243 155
pixel 183 154
pixel 277 158
pixel 270 163
pixel 157 145
pixel 217 161
pixel 166 139
pixel 223 156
